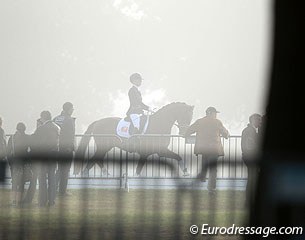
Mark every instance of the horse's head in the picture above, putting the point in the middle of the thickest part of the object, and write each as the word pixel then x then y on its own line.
pixel 184 117
pixel 176 113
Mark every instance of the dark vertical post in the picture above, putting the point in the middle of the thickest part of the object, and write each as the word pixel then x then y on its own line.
pixel 121 169
pixel 2 171
pixel 283 151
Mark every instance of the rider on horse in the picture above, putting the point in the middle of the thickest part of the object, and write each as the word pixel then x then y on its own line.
pixel 137 107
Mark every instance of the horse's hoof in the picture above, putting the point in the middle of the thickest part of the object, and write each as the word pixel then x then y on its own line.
pixel 105 172
pixel 85 173
pixel 185 173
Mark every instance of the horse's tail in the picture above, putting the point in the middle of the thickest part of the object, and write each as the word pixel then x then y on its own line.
pixel 82 147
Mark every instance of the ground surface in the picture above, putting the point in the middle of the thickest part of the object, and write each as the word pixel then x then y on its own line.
pixel 118 214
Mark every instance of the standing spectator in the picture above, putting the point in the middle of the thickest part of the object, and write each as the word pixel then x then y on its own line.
pixel 209 131
pixel 66 146
pixel 2 142
pixel 262 126
pixel 46 145
pixel 2 152
pixel 35 169
pixel 249 148
pixel 18 156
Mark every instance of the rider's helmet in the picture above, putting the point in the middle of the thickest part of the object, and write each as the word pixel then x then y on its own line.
pixel 136 78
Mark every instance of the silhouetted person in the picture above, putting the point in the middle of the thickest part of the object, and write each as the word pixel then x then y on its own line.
pixel 39 122
pixel 249 148
pixel 2 142
pixel 18 157
pixel 66 146
pixel 2 152
pixel 35 169
pixel 136 104
pixel 209 131
pixel 262 126
pixel 46 144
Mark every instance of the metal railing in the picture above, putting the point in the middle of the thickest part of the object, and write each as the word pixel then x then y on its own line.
pixel 230 166
pixel 120 165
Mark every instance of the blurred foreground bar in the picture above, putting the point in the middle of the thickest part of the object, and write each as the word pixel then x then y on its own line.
pixel 2 171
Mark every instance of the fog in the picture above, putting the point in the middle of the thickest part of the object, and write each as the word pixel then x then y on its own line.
pixel 202 52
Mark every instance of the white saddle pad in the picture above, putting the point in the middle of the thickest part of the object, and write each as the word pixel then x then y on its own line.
pixel 123 128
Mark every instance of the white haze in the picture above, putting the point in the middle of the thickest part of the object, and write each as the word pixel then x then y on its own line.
pixel 202 52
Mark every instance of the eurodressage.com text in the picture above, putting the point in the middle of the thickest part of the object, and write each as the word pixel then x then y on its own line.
pixel 235 230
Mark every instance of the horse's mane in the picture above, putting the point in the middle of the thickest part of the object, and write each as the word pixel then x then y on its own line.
pixel 170 105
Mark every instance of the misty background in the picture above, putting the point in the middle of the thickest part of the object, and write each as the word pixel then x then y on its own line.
pixel 202 52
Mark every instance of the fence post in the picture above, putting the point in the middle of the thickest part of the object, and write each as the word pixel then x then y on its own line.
pixel 126 173
pixel 121 169
pixel 2 170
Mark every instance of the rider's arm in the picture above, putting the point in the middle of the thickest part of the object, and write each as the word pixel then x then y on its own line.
pixel 144 106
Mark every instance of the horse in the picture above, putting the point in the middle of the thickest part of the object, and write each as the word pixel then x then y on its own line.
pixel 160 123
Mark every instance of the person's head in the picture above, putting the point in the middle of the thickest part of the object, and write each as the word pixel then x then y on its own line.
pixel 45 116
pixel 211 112
pixel 255 120
pixel 136 79
pixel 21 127
pixel 0 121
pixel 68 108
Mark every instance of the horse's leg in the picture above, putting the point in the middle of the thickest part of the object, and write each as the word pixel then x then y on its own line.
pixel 141 162
pixel 100 162
pixel 170 154
pixel 91 162
pixel 98 159
pixel 102 147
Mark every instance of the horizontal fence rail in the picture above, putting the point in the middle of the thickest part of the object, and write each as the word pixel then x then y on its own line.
pixel 230 166
pixel 119 164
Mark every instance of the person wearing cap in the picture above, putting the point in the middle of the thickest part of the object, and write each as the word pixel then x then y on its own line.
pixel 137 107
pixel 18 157
pixel 249 147
pixel 209 131
pixel 66 146
pixel 45 145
